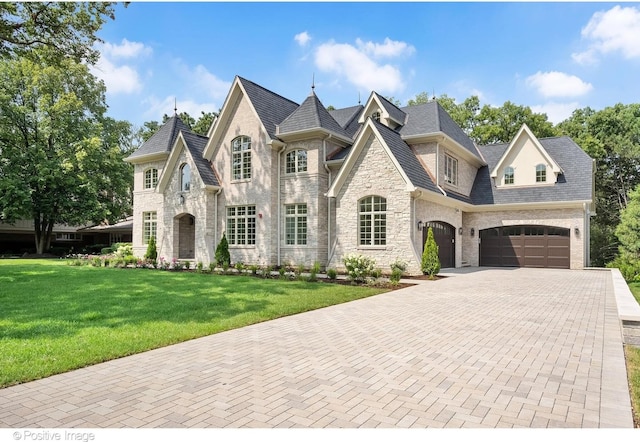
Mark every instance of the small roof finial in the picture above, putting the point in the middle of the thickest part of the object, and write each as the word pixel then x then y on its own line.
pixel 175 106
pixel 313 82
pixel 358 97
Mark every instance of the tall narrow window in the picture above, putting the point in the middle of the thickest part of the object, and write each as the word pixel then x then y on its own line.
pixel 241 158
pixel 372 214
pixel 296 224
pixel 541 173
pixel 509 175
pixel 185 177
pixel 150 178
pixel 450 170
pixel 241 225
pixel 296 161
pixel 149 226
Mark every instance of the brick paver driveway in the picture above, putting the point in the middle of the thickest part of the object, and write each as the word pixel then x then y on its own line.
pixel 490 348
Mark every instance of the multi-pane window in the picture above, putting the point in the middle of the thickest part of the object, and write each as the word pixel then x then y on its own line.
pixel 185 177
pixel 149 226
pixel 372 218
pixel 509 175
pixel 241 225
pixel 450 170
pixel 541 173
pixel 296 161
pixel 296 224
pixel 241 158
pixel 150 178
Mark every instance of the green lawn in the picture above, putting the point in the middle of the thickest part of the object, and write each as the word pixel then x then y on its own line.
pixel 633 364
pixel 55 317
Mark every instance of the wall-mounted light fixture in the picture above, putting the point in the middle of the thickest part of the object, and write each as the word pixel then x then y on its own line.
pixel 420 225
pixel 472 232
pixel 460 231
pixel 577 231
pixel 181 199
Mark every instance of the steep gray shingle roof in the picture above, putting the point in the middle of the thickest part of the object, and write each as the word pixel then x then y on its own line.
pixel 163 139
pixel 394 111
pixel 430 118
pixel 196 144
pixel 406 158
pixel 348 118
pixel 311 114
pixel 272 108
pixel 573 185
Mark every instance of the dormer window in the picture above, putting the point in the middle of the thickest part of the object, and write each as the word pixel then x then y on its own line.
pixel 150 178
pixel 509 175
pixel 376 116
pixel 185 177
pixel 541 173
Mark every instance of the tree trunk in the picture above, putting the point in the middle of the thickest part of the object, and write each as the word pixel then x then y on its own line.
pixel 43 232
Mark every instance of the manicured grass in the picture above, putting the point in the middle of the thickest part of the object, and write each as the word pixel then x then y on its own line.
pixel 55 317
pixel 633 365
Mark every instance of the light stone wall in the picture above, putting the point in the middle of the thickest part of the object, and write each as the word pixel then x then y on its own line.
pixel 565 218
pixel 144 200
pixel 374 173
pixel 426 152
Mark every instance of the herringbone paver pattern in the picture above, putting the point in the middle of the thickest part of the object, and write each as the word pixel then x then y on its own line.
pixel 492 348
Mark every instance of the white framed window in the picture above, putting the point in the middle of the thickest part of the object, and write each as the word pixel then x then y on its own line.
pixel 149 226
pixel 372 220
pixel 376 116
pixel 241 225
pixel 296 161
pixel 296 224
pixel 185 177
pixel 450 170
pixel 541 173
pixel 241 158
pixel 509 175
pixel 150 178
pixel 68 237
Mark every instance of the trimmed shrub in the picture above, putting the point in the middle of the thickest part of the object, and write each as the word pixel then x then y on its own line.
pixel 398 268
pixel 430 261
pixel 222 252
pixel 152 251
pixel 332 274
pixel 358 267
pixel 628 266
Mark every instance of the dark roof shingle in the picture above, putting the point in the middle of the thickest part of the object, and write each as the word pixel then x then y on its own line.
pixel 162 141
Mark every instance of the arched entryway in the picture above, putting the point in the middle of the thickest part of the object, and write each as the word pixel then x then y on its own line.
pixel 186 232
pixel 445 236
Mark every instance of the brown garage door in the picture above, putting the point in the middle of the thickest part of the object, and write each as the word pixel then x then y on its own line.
pixel 525 246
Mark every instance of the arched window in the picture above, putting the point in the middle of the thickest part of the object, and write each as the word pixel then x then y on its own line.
pixel 372 220
pixel 541 173
pixel 150 178
pixel 509 175
pixel 296 161
pixel 241 158
pixel 185 177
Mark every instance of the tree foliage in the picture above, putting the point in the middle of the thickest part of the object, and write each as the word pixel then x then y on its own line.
pixel 430 261
pixel 200 126
pixel 223 258
pixel 61 159
pixel 628 231
pixel 67 29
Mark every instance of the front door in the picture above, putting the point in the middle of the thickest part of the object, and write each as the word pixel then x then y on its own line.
pixel 445 236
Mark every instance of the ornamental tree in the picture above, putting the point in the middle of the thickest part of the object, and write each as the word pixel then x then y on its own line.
pixel 430 261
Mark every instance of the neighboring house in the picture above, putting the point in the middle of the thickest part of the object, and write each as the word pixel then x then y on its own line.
pixel 296 184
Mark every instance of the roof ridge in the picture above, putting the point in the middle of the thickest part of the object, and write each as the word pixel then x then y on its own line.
pixel 267 90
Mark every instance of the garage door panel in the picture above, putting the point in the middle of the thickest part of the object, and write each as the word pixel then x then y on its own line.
pixel 525 246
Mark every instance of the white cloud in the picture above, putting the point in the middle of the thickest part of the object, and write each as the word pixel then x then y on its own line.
pixel 118 79
pixel 201 81
pixel 389 48
pixel 558 84
pixel 615 30
pixel 359 68
pixel 556 112
pixel 126 49
pixel 302 38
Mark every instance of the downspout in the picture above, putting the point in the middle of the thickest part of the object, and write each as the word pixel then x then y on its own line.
pixel 215 220
pixel 326 168
pixel 587 234
pixel 284 146
pixel 438 169
pixel 413 231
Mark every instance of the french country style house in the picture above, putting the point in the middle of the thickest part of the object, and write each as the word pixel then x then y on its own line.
pixel 292 184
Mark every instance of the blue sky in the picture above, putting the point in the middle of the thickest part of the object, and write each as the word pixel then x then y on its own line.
pixel 553 57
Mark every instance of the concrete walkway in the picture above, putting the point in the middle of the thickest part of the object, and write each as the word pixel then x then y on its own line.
pixel 486 348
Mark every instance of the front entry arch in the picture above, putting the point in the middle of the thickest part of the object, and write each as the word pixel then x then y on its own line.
pixel 445 236
pixel 186 232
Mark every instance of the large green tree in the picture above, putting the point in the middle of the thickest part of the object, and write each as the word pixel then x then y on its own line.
pixel 200 126
pixel 612 137
pixel 67 29
pixel 60 158
pixel 628 231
